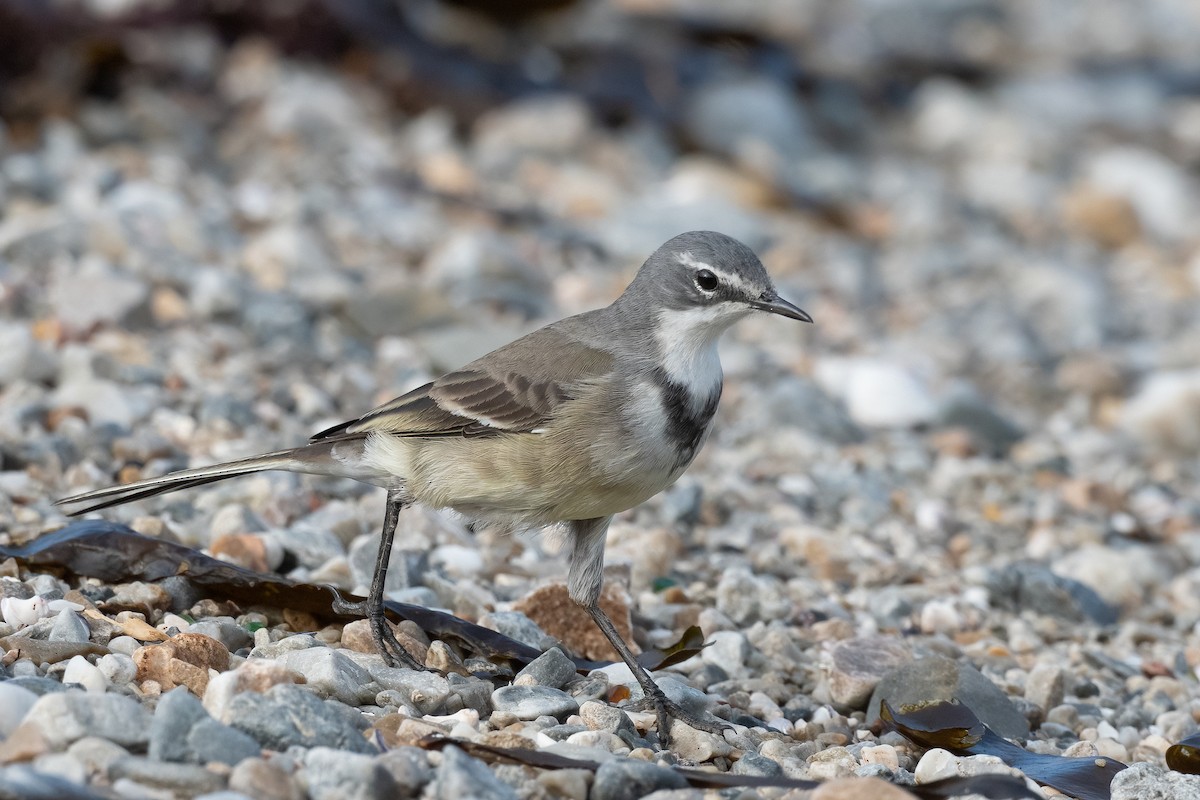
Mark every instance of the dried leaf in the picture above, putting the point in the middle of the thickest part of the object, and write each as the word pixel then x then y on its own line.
pixel 955 727
pixel 691 643
pixel 994 787
pixel 115 553
pixel 142 631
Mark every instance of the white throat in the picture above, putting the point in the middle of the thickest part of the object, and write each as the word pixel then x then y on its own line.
pixel 688 340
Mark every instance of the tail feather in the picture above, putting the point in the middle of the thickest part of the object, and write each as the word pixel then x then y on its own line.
pixel 314 459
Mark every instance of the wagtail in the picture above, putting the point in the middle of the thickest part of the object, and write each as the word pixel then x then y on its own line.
pixel 569 425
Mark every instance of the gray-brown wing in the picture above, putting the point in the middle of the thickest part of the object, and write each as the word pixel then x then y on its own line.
pixel 512 390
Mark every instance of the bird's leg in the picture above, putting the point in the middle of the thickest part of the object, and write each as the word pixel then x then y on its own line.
pixel 583 583
pixel 385 640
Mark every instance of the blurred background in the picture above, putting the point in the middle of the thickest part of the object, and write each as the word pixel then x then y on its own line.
pixel 226 224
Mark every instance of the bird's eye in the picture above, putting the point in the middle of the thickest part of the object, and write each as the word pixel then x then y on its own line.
pixel 706 281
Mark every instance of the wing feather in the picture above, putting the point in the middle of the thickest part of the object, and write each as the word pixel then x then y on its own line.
pixel 488 396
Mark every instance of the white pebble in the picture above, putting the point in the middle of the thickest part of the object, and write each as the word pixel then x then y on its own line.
pixel 80 670
pixel 118 668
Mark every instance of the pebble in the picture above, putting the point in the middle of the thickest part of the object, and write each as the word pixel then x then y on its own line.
pixel 552 668
pixel 461 776
pixel 182 731
pixel 331 774
pixel 259 778
pixel 81 671
pixel 628 779
pixel 287 715
pixel 64 717
pixel 188 779
pixel 15 702
pixel 855 667
pixel 69 627
pixel 531 702
pixel 427 692
pixel 331 673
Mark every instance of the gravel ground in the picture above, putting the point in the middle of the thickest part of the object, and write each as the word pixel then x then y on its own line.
pixel 977 470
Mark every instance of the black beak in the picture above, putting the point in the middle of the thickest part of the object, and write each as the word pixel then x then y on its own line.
pixel 775 304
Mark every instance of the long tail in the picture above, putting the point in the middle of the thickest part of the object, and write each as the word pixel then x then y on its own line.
pixel 316 459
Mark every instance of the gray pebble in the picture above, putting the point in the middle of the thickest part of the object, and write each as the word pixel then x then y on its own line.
pixel 69 627
pixel 531 702
pixel 1146 781
pixel 264 780
pixel 1033 587
pixel 473 692
pixel 288 715
pixel 409 768
pixel 225 631
pixel 213 741
pixel 335 774
pixel 552 668
pixel 855 667
pixel 331 673
pixel 627 779
pixel 426 691
pixel 177 713
pixel 184 779
pixel 754 764
pixel 516 625
pixel 22 780
pixel 462 776
pixel 64 717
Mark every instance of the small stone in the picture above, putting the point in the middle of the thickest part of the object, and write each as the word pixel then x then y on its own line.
pixel 64 717
pixel 334 774
pixel 331 673
pixel 440 658
pixel 1045 686
pixel 425 691
pixel 552 609
pixel 118 668
pixel 859 789
pixel 855 667
pixel 15 702
pixel 698 746
pixel 25 743
pixel 461 776
pixel 288 715
pixel 81 671
pixel 202 651
pixel 628 779
pixel 531 702
pixel 517 625
pixel 937 764
pixel 728 650
pixel 262 780
pixel 357 636
pixel 69 627
pixel 831 763
pixel 603 717
pixel 753 764
pixel 552 668
pixel 177 712
pixel 210 741
pixel 96 754
pixel 1148 781
pixel 878 394
pixel 570 784
pixel 185 779
pixel 408 766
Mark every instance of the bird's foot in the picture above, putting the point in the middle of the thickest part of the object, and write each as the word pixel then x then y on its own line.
pixel 667 710
pixel 394 654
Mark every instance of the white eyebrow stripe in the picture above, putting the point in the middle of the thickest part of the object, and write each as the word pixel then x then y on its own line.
pixel 688 260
